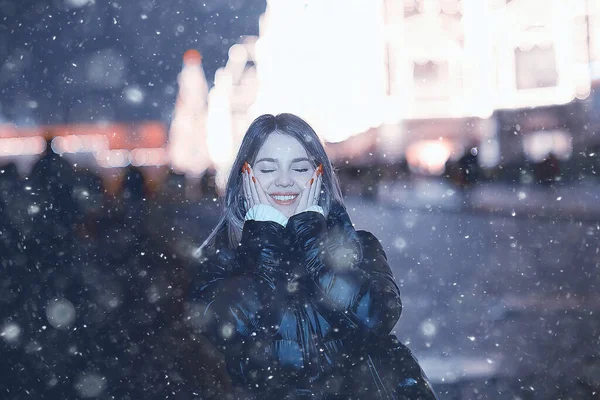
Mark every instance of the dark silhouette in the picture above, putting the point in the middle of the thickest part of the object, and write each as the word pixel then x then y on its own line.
pixel 469 169
pixel 548 170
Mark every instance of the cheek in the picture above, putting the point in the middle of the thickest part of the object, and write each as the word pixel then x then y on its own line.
pixel 265 180
pixel 301 181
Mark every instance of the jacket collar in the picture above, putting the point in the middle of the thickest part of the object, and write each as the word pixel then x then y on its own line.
pixel 338 222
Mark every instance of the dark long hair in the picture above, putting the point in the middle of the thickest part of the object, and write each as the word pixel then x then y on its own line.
pixel 234 211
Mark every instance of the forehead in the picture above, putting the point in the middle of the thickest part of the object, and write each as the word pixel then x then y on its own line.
pixel 282 147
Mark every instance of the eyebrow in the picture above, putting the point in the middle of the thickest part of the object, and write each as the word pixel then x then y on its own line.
pixel 295 160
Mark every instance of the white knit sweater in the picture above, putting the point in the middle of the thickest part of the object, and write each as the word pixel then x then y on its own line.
pixel 266 212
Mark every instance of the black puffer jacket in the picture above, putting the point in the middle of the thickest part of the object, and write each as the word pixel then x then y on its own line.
pixel 305 311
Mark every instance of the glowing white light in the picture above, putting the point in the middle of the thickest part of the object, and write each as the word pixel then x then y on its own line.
pixel 428 328
pixel 79 143
pixel 187 135
pixel 33 209
pixel 153 294
pixel 77 3
pixel 112 158
pixel 538 145
pixel 22 146
pixel 219 126
pixel 60 313
pixel 429 156
pixel 148 157
pixel 323 69
pixel 138 157
pixel 227 331
pixel 400 243
pixel 450 60
pixel 10 332
pixel 134 95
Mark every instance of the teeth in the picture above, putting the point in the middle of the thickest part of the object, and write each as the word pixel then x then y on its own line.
pixel 283 198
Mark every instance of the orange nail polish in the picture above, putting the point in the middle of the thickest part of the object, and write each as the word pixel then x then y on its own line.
pixel 254 179
pixel 311 181
pixel 320 170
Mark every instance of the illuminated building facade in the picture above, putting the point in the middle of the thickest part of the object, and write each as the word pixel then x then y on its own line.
pixel 463 58
pixel 383 80
pixel 406 71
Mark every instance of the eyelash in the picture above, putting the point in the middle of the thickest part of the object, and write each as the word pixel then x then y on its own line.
pixel 266 171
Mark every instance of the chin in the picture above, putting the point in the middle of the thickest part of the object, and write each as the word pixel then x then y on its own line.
pixel 287 211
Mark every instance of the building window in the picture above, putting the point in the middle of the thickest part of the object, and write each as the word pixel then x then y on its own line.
pixel 536 68
pixel 540 144
pixel 431 80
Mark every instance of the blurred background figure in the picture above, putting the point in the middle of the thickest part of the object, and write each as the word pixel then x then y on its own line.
pixel 468 166
pixel 548 170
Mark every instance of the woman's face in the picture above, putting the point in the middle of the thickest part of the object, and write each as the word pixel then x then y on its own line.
pixel 282 167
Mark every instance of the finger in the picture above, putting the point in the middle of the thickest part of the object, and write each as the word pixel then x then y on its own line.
pixel 245 187
pixel 258 191
pixel 301 201
pixel 253 190
pixel 247 190
pixel 312 190
pixel 305 197
pixel 318 185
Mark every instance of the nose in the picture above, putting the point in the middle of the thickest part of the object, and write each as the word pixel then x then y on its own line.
pixel 283 179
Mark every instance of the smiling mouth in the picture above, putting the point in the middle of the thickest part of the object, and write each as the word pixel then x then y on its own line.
pixel 284 200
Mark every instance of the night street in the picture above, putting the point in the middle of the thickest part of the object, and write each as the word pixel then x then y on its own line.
pixel 179 183
pixel 491 296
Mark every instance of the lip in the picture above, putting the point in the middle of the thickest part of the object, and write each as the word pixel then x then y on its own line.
pixel 284 203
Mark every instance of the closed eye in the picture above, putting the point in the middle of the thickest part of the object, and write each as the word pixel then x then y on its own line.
pixel 266 171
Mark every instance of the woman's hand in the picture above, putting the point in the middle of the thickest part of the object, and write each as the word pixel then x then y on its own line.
pixel 312 191
pixel 253 192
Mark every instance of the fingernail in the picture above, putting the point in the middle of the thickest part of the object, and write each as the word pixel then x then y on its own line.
pixel 254 179
pixel 320 170
pixel 311 181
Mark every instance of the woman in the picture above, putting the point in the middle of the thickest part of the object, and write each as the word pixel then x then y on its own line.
pixel 300 303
